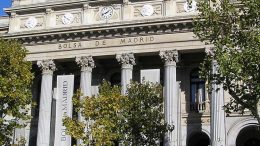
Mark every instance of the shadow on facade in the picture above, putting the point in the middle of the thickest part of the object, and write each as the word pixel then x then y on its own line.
pixel 249 136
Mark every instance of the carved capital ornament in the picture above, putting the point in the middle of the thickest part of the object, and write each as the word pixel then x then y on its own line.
pixel 126 58
pixel 169 56
pixel 85 62
pixel 46 65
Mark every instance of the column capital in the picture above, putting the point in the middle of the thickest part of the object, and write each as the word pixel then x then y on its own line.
pixel 209 51
pixel 47 66
pixel 126 59
pixel 49 11
pixel 85 62
pixel 169 56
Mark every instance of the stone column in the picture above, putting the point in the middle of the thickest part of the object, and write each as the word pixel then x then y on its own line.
pixel 171 99
pixel 43 136
pixel 218 121
pixel 87 64
pixel 127 61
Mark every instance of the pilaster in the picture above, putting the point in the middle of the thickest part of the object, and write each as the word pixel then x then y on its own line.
pixel 127 61
pixel 171 103
pixel 14 23
pixel 43 136
pixel 50 19
pixel 170 7
pixel 127 10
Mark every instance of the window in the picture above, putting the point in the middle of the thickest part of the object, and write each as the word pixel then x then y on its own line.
pixel 197 92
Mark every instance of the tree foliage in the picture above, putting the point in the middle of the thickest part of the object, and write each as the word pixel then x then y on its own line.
pixel 15 88
pixel 233 28
pixel 112 118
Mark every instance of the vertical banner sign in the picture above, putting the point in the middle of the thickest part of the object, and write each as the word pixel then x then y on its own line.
pixel 65 86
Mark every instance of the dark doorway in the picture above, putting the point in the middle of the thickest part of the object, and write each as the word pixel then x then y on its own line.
pixel 249 136
pixel 199 139
pixel 115 78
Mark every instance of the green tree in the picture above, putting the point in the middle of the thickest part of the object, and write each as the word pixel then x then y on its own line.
pixel 144 124
pixel 136 118
pixel 15 88
pixel 102 114
pixel 232 27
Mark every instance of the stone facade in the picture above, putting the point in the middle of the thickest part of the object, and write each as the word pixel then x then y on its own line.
pixel 116 40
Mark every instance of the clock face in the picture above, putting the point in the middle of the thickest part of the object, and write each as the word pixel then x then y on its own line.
pixel 190 7
pixel 106 12
pixel 31 22
pixel 147 10
pixel 67 18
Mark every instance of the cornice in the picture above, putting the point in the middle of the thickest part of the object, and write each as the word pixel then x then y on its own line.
pixel 57 4
pixel 99 31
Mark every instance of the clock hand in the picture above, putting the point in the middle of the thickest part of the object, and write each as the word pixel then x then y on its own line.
pixel 106 12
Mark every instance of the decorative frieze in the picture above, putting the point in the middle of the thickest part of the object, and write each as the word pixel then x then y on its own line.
pixel 32 22
pixel 200 120
pixel 69 18
pixel 148 10
pixel 186 7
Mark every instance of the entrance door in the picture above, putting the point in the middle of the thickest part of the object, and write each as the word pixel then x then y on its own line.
pixel 199 139
pixel 249 136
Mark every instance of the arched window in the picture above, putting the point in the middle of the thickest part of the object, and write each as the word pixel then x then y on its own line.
pixel 197 91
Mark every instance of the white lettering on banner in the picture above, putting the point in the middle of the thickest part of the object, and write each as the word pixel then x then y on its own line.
pixel 65 86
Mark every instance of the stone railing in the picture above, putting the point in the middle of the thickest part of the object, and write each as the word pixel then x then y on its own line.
pixel 198 107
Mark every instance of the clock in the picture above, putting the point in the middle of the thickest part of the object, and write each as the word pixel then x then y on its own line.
pixel 67 18
pixel 106 12
pixel 190 7
pixel 147 10
pixel 31 22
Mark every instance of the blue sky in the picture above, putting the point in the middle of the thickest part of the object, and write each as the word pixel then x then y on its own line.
pixel 4 4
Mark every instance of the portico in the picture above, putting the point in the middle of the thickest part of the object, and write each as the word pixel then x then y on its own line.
pixel 121 41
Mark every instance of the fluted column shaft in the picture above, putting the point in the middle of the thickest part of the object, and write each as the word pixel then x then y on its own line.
pixel 127 61
pixel 87 64
pixel 171 100
pixel 43 135
pixel 218 126
pixel 126 76
pixel 217 118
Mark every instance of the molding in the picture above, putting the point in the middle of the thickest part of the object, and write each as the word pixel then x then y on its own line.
pixel 121 29
pixel 57 4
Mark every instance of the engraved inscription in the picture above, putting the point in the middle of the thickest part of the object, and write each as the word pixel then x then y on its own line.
pixel 107 42
pixel 136 40
pixel 73 45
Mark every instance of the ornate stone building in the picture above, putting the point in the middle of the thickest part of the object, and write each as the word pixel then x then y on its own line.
pixel 120 40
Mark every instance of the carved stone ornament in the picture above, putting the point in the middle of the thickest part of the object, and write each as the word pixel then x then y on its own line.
pixel 126 58
pixel 67 18
pixel 31 22
pixel 147 10
pixel 209 51
pixel 190 7
pixel 46 65
pixel 85 61
pixel 169 56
